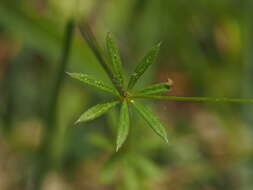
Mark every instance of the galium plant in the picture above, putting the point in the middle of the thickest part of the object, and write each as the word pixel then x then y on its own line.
pixel 123 91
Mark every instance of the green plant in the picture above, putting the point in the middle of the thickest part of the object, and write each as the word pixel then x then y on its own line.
pixel 124 94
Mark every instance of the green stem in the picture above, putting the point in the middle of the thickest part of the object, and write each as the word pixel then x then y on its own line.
pixel 61 73
pixel 196 99
pixel 93 44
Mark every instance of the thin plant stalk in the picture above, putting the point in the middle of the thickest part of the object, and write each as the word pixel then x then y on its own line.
pixel 196 99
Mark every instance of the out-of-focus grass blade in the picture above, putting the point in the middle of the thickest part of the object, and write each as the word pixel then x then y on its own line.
pixel 159 88
pixel 131 178
pixel 143 65
pixel 151 119
pixel 123 126
pixel 96 111
pixel 115 60
pixel 93 82
pixel 88 35
pixel 102 142
pixel 145 165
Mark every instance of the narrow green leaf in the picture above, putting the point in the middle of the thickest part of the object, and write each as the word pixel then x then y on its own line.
pixel 88 35
pixel 143 66
pixel 93 82
pixel 114 59
pixel 151 119
pixel 159 88
pixel 123 126
pixel 96 111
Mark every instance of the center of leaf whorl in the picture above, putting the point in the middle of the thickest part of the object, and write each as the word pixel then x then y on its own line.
pixel 126 96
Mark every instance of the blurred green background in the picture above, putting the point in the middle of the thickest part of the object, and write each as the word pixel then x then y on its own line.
pixel 207 50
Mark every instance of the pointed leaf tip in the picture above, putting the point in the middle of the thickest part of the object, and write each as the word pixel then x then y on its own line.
pixel 170 82
pixel 159 88
pixel 123 129
pixel 96 111
pixel 78 121
pixel 143 65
